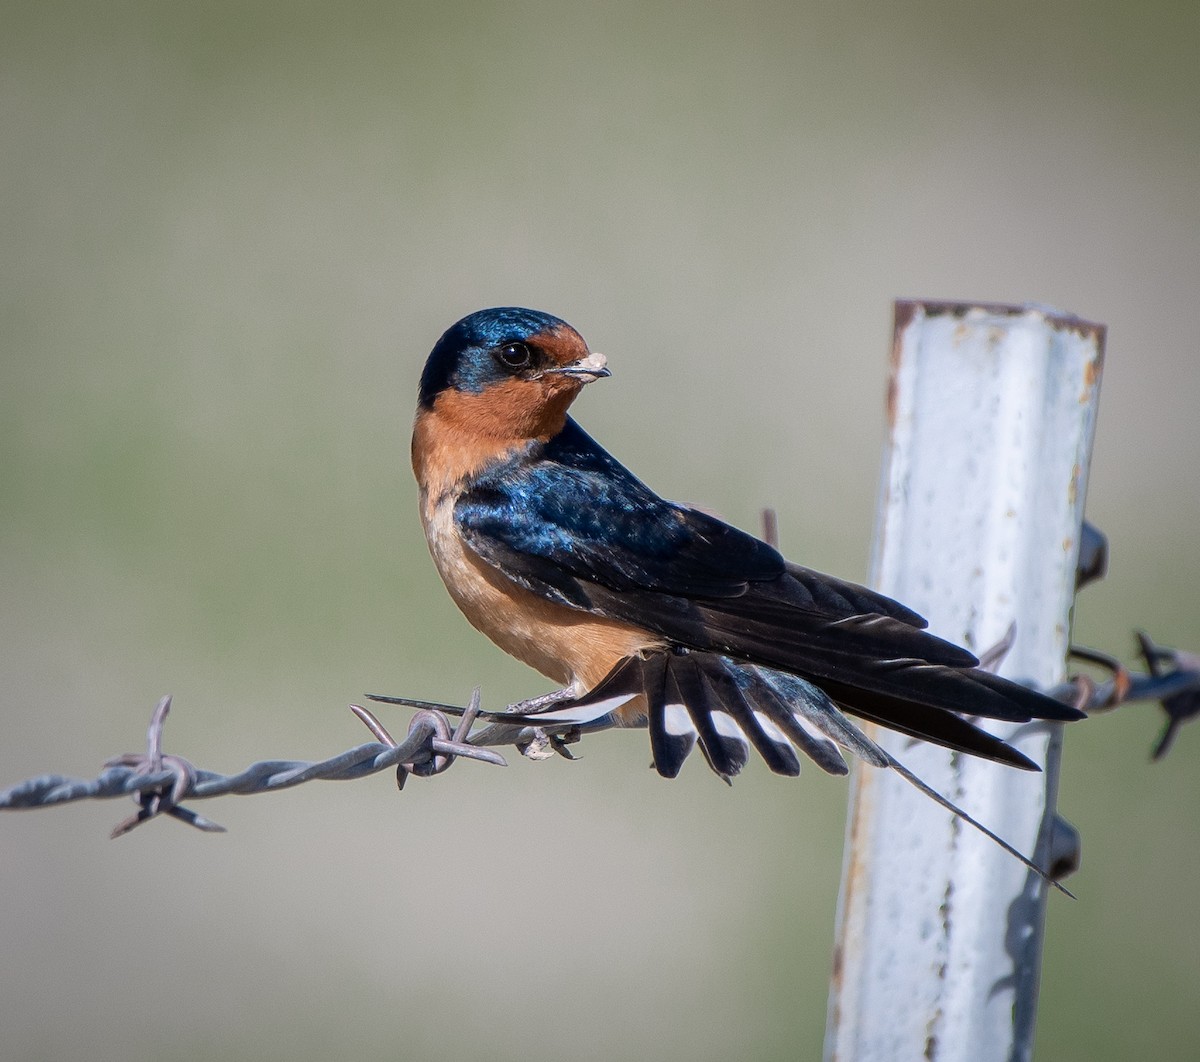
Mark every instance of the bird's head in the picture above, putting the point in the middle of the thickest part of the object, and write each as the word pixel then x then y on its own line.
pixel 508 373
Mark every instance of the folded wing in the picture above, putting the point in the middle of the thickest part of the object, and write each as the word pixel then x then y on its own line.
pixel 572 525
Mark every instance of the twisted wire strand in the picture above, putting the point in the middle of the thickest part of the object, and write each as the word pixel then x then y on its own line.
pixel 159 781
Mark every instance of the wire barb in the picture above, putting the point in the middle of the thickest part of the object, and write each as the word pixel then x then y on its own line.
pixel 446 744
pixel 158 781
pixel 1172 678
pixel 160 801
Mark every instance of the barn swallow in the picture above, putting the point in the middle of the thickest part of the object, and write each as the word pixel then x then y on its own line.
pixel 651 613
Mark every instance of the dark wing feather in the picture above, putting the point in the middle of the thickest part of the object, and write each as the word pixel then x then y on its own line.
pixel 758 725
pixel 568 522
pixel 571 524
pixel 725 706
pixel 672 733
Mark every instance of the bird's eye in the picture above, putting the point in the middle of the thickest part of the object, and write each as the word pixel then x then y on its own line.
pixel 514 356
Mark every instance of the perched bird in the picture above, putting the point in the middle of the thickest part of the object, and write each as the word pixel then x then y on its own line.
pixel 651 613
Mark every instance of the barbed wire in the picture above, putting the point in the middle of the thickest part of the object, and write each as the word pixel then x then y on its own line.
pixel 159 781
pixel 1172 678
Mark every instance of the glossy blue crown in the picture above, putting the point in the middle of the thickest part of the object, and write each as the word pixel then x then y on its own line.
pixel 461 358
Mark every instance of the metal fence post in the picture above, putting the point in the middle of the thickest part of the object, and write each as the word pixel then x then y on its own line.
pixel 991 412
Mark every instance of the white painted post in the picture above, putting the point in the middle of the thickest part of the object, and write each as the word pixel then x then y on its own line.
pixel 991 412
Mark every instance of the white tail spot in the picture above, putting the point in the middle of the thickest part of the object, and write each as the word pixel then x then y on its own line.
pixel 771 729
pixel 725 725
pixel 677 722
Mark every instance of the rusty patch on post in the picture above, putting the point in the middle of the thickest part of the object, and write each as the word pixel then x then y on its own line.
pixel 1084 329
pixel 1066 322
pixel 889 402
pixel 852 919
pixel 904 312
pixel 962 309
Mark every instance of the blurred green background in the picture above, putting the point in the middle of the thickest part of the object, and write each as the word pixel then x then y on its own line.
pixel 232 231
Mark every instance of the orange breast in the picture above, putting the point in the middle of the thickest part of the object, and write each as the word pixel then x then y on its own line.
pixel 570 646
